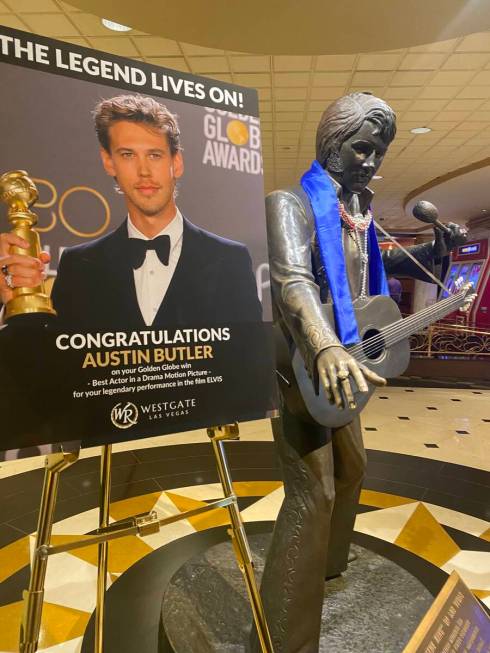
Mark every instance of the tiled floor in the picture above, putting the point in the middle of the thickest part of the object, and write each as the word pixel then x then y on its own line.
pixel 427 493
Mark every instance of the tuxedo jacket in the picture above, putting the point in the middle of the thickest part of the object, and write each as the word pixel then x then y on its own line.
pixel 213 284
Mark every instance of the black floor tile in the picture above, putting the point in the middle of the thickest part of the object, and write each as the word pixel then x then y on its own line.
pixel 464 473
pixel 480 509
pixel 173 452
pixel 463 432
pixel 405 461
pixel 426 478
pixel 370 428
pixel 431 445
pixel 12 587
pixel 18 483
pixel 362 508
pixel 466 541
pixel 432 408
pixel 405 418
pixel 395 487
pixel 8 534
pixel 245 502
pixel 27 523
pixel 455 399
pixel 92 464
pixel 211 476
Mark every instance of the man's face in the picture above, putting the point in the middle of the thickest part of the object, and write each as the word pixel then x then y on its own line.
pixel 361 155
pixel 146 171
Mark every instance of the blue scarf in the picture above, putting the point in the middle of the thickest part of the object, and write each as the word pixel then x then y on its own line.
pixel 325 205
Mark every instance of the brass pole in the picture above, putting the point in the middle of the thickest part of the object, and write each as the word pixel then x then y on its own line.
pixel 104 503
pixel 238 535
pixel 34 596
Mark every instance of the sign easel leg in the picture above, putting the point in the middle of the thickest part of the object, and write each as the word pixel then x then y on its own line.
pixel 237 533
pixel 34 596
pixel 103 551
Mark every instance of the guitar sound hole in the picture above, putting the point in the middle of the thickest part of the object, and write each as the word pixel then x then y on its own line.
pixel 372 349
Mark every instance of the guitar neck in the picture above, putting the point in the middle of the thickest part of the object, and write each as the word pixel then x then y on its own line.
pixel 407 326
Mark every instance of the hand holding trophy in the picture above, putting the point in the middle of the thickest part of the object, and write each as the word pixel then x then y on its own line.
pixel 21 260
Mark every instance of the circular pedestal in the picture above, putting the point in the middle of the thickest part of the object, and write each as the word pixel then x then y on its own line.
pixel 375 606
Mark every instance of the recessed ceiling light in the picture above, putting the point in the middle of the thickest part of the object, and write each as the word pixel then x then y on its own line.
pixel 484 211
pixel 377 177
pixel 115 27
pixel 420 130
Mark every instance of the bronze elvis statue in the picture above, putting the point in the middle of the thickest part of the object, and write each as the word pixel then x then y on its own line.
pixel 323 467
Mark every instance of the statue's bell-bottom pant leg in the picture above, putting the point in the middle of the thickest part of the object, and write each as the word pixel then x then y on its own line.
pixel 350 468
pixel 293 582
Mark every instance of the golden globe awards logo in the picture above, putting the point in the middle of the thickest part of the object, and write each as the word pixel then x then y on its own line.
pixel 232 141
pixel 124 415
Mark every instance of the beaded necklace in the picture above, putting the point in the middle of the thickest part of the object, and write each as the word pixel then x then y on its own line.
pixel 358 227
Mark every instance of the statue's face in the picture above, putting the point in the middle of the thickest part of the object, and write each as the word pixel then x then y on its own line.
pixel 361 155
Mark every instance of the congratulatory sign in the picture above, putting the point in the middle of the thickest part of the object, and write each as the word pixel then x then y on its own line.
pixel 455 623
pixel 104 369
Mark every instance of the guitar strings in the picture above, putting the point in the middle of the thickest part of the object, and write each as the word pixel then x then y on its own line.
pixel 370 345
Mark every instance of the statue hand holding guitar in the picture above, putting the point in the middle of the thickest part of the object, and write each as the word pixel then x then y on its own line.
pixel 349 375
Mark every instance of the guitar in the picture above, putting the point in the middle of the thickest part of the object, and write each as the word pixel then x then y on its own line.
pixel 384 348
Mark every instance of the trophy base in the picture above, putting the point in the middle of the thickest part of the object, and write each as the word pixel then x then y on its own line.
pixel 24 304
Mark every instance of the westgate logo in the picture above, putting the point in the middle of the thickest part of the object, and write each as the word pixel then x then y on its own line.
pixel 124 415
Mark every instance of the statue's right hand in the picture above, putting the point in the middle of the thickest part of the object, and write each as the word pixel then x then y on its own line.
pixel 335 369
pixel 21 269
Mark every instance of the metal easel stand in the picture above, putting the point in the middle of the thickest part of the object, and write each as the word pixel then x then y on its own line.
pixel 34 596
pixel 141 525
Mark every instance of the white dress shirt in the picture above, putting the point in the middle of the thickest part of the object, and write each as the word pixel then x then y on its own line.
pixel 153 278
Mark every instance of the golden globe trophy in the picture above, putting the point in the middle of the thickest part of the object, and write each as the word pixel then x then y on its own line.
pixel 19 192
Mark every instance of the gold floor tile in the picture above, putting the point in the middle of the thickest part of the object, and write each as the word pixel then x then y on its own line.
pixel 255 488
pixel 134 506
pixel 459 520
pixel 382 499
pixel 481 594
pixel 59 624
pixel 13 557
pixel 387 523
pixel 214 518
pixel 486 535
pixel 266 508
pixel 122 553
pixel 425 537
pixel 472 566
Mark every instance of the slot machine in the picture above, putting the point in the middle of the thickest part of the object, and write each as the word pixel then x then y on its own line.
pixel 471 263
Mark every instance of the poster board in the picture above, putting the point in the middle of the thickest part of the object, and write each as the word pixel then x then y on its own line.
pixel 99 372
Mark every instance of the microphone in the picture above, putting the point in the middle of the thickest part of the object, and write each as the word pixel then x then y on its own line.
pixel 427 212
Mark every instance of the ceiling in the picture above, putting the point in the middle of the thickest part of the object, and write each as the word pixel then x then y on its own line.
pixel 444 85
pixel 292 27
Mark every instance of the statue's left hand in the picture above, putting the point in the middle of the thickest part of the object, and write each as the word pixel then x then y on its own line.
pixel 445 242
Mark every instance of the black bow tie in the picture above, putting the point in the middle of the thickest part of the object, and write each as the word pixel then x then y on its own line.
pixel 138 248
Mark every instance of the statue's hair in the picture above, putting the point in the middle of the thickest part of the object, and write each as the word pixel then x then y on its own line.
pixel 345 116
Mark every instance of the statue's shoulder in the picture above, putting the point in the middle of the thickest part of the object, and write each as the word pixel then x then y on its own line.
pixel 293 193
pixel 293 198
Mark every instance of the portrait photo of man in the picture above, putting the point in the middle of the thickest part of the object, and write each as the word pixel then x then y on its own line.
pixel 157 268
